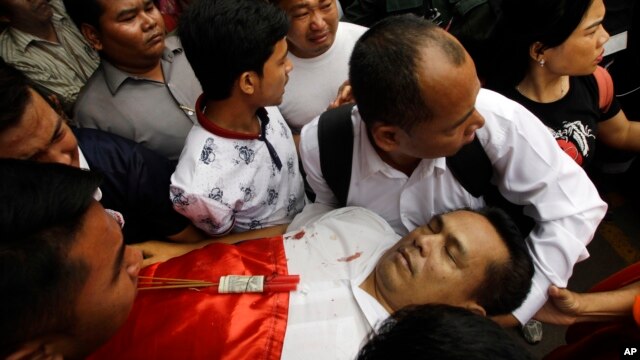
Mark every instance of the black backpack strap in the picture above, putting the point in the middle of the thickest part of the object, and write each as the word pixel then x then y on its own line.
pixel 335 142
pixel 473 170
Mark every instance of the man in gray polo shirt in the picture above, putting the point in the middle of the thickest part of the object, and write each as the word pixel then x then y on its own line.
pixel 144 89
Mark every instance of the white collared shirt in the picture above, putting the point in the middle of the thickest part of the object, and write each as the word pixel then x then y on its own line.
pixel 85 166
pixel 330 316
pixel 529 168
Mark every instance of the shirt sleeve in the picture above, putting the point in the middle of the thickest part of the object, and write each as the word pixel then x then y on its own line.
pixel 310 156
pixel 207 214
pixel 531 170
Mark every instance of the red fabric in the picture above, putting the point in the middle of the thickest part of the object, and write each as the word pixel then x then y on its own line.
pixel 190 324
pixel 595 340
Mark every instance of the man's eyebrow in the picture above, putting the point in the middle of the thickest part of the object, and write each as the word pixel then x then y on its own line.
pixel 125 12
pixel 462 119
pixel 117 265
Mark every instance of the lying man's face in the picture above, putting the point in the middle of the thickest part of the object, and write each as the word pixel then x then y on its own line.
pixel 442 262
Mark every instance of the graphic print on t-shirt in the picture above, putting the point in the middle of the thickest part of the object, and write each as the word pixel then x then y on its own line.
pixel 573 139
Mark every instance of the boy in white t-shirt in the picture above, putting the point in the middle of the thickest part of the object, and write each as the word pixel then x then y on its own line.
pixel 239 169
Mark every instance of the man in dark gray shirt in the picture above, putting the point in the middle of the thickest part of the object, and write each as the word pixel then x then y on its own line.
pixel 144 89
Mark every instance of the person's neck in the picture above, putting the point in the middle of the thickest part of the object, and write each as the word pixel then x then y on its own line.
pixel 541 86
pixel 151 72
pixel 233 115
pixel 44 31
pixel 401 162
pixel 369 286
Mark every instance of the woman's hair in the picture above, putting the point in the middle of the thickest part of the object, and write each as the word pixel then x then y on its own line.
pixel 549 22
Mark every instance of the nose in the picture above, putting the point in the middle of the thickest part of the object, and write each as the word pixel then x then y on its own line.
pixel 317 21
pixel 288 65
pixel 134 261
pixel 605 36
pixel 476 121
pixel 149 22
pixel 425 242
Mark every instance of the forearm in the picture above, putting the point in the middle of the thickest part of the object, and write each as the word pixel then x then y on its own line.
pixel 608 305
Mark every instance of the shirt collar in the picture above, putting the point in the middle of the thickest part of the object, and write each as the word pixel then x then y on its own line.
pixel 84 165
pixel 114 77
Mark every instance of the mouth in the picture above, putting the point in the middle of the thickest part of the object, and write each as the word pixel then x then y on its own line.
pixel 405 258
pixel 319 38
pixel 600 57
pixel 159 36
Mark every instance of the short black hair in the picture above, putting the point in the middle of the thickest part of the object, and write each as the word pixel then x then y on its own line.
pixel 224 38
pixel 84 12
pixel 506 284
pixel 383 69
pixel 440 332
pixel 16 96
pixel 42 207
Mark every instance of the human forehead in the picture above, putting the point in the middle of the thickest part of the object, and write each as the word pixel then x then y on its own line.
pixel 290 5
pixel 34 130
pixel 114 7
pixel 593 16
pixel 462 222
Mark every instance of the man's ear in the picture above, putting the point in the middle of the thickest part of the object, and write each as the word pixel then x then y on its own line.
pixel 476 309
pixel 33 349
pixel 385 136
pixel 248 82
pixel 93 37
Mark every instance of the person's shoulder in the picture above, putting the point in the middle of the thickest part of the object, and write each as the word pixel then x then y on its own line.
pixel 492 105
pixel 351 28
pixel 172 42
pixel 274 114
pixel 95 87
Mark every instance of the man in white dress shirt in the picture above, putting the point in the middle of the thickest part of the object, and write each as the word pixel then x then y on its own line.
pixel 418 101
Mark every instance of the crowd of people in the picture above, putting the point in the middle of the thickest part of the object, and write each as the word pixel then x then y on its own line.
pixel 407 161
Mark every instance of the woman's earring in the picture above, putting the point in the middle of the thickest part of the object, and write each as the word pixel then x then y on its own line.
pixel 541 62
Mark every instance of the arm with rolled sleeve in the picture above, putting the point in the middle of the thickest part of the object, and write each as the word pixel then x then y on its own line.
pixel 531 169
pixel 209 215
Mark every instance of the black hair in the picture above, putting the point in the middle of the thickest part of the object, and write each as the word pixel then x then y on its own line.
pixel 16 96
pixel 383 69
pixel 522 24
pixel 42 207
pixel 440 332
pixel 506 284
pixel 84 12
pixel 224 38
